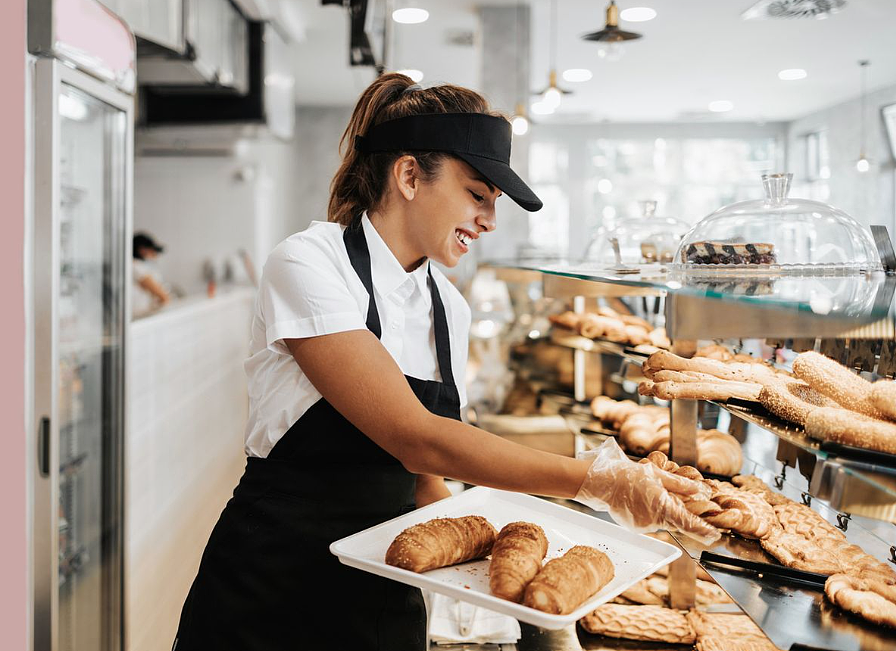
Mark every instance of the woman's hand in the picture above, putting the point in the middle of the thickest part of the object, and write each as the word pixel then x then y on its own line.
pixel 430 489
pixel 638 495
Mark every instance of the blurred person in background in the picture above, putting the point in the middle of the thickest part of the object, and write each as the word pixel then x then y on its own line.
pixel 149 293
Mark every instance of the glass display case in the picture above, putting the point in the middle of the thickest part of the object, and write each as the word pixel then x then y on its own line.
pixel 647 239
pixel 778 235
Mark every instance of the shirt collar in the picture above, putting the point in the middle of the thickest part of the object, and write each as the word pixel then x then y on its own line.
pixel 387 272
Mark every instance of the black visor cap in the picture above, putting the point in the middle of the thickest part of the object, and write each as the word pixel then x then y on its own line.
pixel 482 141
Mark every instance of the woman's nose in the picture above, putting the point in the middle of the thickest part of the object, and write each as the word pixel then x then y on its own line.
pixel 487 220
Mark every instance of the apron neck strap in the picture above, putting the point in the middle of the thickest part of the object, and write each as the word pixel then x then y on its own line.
pixel 359 255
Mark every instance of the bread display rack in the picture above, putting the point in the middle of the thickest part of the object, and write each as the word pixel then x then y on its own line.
pixel 855 319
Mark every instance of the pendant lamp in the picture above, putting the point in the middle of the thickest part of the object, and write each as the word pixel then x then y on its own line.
pixel 520 119
pixel 553 94
pixel 611 37
pixel 863 164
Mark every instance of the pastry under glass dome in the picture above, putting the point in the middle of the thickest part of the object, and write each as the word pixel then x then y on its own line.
pixel 642 240
pixel 777 235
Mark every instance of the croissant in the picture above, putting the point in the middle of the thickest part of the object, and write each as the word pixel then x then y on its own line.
pixel 718 453
pixel 516 559
pixel 441 542
pixel 564 583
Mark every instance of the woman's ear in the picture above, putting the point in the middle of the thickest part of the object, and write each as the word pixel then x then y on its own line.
pixel 405 174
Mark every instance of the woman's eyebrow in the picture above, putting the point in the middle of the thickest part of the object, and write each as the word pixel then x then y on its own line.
pixel 486 181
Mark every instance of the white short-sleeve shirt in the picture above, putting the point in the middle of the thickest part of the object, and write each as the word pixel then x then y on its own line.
pixel 308 289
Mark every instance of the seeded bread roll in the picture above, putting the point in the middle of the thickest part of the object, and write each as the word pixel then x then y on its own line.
pixel 883 396
pixel 850 428
pixel 793 401
pixel 847 389
pixel 441 542
pixel 516 559
pixel 565 583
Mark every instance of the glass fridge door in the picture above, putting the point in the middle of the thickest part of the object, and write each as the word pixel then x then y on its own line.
pixel 90 322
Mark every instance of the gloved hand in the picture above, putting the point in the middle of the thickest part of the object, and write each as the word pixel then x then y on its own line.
pixel 638 495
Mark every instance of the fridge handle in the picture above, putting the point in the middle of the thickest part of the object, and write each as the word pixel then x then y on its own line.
pixel 43 446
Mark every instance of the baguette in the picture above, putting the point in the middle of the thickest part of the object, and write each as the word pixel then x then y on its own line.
pixel 516 558
pixel 735 371
pixel 565 583
pixel 847 389
pixel 441 542
pixel 718 390
pixel 850 428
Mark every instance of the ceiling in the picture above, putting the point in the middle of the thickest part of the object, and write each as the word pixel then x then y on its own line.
pixel 692 53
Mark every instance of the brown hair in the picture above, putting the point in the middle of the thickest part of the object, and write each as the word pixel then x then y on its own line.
pixel 360 182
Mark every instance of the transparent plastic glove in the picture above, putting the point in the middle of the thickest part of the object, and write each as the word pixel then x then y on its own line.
pixel 638 495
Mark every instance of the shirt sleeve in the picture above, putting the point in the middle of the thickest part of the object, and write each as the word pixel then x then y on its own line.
pixel 303 293
pixel 141 270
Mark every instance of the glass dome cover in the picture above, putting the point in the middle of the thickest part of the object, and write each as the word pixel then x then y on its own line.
pixel 641 240
pixel 778 234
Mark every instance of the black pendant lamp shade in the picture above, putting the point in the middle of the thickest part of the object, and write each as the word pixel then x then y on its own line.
pixel 611 32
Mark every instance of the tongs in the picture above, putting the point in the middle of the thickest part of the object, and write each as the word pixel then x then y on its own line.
pixel 465 625
pixel 812 579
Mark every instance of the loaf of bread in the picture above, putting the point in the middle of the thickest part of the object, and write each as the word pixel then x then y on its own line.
pixel 441 542
pixel 565 583
pixel 847 389
pixel 569 320
pixel 516 558
pixel 647 623
pixel 733 371
pixel 850 428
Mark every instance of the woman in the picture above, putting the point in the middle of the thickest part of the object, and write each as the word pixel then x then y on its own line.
pixel 357 343
pixel 149 292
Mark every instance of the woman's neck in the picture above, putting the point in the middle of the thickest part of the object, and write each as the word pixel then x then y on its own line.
pixel 392 229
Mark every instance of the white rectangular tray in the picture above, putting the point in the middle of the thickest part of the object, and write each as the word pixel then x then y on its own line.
pixel 634 556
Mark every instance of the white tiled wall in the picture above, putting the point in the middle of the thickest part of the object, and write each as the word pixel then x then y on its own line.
pixel 184 452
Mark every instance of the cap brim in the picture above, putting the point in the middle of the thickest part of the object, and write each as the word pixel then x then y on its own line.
pixel 505 179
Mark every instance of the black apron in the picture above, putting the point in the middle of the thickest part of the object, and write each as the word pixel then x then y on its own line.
pixel 267 581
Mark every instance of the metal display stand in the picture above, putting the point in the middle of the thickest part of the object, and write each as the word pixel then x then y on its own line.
pixel 847 485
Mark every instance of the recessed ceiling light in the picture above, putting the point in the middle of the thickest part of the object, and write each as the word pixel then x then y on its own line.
pixel 720 106
pixel 792 74
pixel 637 14
pixel 410 15
pixel 577 74
pixel 415 75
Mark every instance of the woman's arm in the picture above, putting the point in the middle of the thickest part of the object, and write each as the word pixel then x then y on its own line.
pixel 155 288
pixel 430 489
pixel 354 373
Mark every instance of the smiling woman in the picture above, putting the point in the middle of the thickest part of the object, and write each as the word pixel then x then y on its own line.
pixel 354 410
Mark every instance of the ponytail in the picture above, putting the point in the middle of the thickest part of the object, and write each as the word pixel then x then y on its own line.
pixel 361 180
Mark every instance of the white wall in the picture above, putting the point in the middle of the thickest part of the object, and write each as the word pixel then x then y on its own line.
pixel 203 207
pixel 187 410
pixel 868 197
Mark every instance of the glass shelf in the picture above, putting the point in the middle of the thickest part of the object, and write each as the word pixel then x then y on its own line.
pixel 826 304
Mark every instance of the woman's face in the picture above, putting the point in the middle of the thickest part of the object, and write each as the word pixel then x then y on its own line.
pixel 451 211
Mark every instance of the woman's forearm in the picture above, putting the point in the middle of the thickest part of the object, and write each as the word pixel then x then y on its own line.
pixel 450 448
